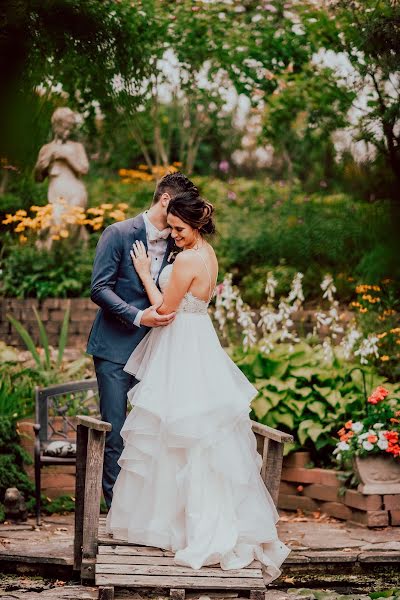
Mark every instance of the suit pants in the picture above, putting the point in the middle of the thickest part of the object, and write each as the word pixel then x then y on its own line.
pixel 114 384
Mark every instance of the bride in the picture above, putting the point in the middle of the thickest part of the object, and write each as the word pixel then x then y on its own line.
pixel 190 473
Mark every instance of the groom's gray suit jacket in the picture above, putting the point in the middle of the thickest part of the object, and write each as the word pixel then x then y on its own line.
pixel 118 291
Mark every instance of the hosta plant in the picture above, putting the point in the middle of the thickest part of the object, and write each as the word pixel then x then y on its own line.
pixel 303 394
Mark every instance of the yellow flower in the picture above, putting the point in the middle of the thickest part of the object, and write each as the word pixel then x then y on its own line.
pixel 107 206
pixel 23 239
pixel 384 358
pixel 395 330
pixel 363 310
pixel 382 335
pixel 122 205
pixel 55 237
pixel 64 233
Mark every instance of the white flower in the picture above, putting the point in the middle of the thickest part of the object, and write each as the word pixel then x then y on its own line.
pixel 270 286
pixel 357 427
pixel 328 287
pixel 367 445
pixel 368 347
pixel 378 426
pixel 343 446
pixel 382 444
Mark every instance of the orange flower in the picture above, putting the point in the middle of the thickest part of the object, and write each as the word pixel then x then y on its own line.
pixel 378 395
pixel 392 420
pixel 348 424
pixel 372 439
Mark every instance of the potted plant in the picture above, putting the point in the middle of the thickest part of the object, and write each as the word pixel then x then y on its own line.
pixel 372 444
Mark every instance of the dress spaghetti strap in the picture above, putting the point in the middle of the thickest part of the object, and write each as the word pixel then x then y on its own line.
pixel 210 290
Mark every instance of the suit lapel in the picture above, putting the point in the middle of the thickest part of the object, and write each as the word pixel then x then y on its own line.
pixel 139 230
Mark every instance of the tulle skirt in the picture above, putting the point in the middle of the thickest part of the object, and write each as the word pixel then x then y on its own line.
pixel 190 472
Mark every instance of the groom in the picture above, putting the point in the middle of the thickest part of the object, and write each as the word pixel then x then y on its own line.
pixel 125 316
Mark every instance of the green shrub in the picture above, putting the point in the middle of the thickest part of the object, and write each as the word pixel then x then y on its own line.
pixel 12 460
pixel 65 271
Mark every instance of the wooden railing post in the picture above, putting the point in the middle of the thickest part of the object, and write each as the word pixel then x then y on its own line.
pixel 270 444
pixel 273 467
pixel 90 456
pixel 81 454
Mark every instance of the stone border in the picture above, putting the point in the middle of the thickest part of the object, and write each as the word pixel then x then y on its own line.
pixel 316 489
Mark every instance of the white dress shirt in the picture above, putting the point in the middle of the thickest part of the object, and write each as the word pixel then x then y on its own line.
pixel 156 248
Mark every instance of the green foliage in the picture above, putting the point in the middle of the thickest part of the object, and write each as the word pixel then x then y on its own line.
pixel 61 504
pixel 64 271
pixel 16 390
pixel 371 29
pixel 12 460
pixel 303 394
pixel 49 367
pixel 281 229
pixel 300 119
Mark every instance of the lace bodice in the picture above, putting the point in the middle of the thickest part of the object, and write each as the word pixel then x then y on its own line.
pixel 189 304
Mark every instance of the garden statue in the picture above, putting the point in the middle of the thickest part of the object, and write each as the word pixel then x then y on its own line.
pixel 14 505
pixel 64 162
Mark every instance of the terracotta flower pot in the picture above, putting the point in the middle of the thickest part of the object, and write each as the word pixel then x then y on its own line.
pixel 379 474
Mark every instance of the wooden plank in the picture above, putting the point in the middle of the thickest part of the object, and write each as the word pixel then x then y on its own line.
pixel 242 583
pixel 270 433
pixel 152 560
pixel 92 423
pixel 172 571
pixel 273 469
pixel 133 550
pixel 94 471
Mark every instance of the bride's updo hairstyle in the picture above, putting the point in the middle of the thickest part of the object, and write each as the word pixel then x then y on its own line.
pixel 193 210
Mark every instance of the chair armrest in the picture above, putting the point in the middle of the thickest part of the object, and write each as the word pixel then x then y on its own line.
pixel 92 423
pixel 270 433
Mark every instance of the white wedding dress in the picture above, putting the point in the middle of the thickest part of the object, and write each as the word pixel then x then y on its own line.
pixel 190 472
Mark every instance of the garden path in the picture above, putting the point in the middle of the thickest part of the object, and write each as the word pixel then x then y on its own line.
pixel 325 553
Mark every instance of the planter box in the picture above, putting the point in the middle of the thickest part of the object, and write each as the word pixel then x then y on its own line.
pixel 313 489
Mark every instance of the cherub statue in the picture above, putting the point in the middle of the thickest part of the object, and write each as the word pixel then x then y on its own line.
pixel 64 162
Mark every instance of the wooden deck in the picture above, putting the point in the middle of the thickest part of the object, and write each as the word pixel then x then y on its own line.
pixel 120 564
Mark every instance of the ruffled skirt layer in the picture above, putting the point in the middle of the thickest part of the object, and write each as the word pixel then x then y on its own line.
pixel 190 472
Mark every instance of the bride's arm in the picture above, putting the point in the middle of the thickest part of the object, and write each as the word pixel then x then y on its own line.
pixel 179 283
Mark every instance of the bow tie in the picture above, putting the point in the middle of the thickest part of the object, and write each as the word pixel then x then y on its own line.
pixel 155 235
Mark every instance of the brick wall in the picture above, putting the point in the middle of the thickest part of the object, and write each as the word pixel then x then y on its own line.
pixel 51 311
pixel 83 312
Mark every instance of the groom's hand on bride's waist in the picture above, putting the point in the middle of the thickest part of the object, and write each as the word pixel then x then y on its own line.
pixel 151 318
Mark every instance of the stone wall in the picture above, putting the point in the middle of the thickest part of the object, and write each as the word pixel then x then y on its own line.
pixel 51 311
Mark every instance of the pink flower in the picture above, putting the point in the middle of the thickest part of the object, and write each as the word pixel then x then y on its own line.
pixel 231 195
pixel 223 166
